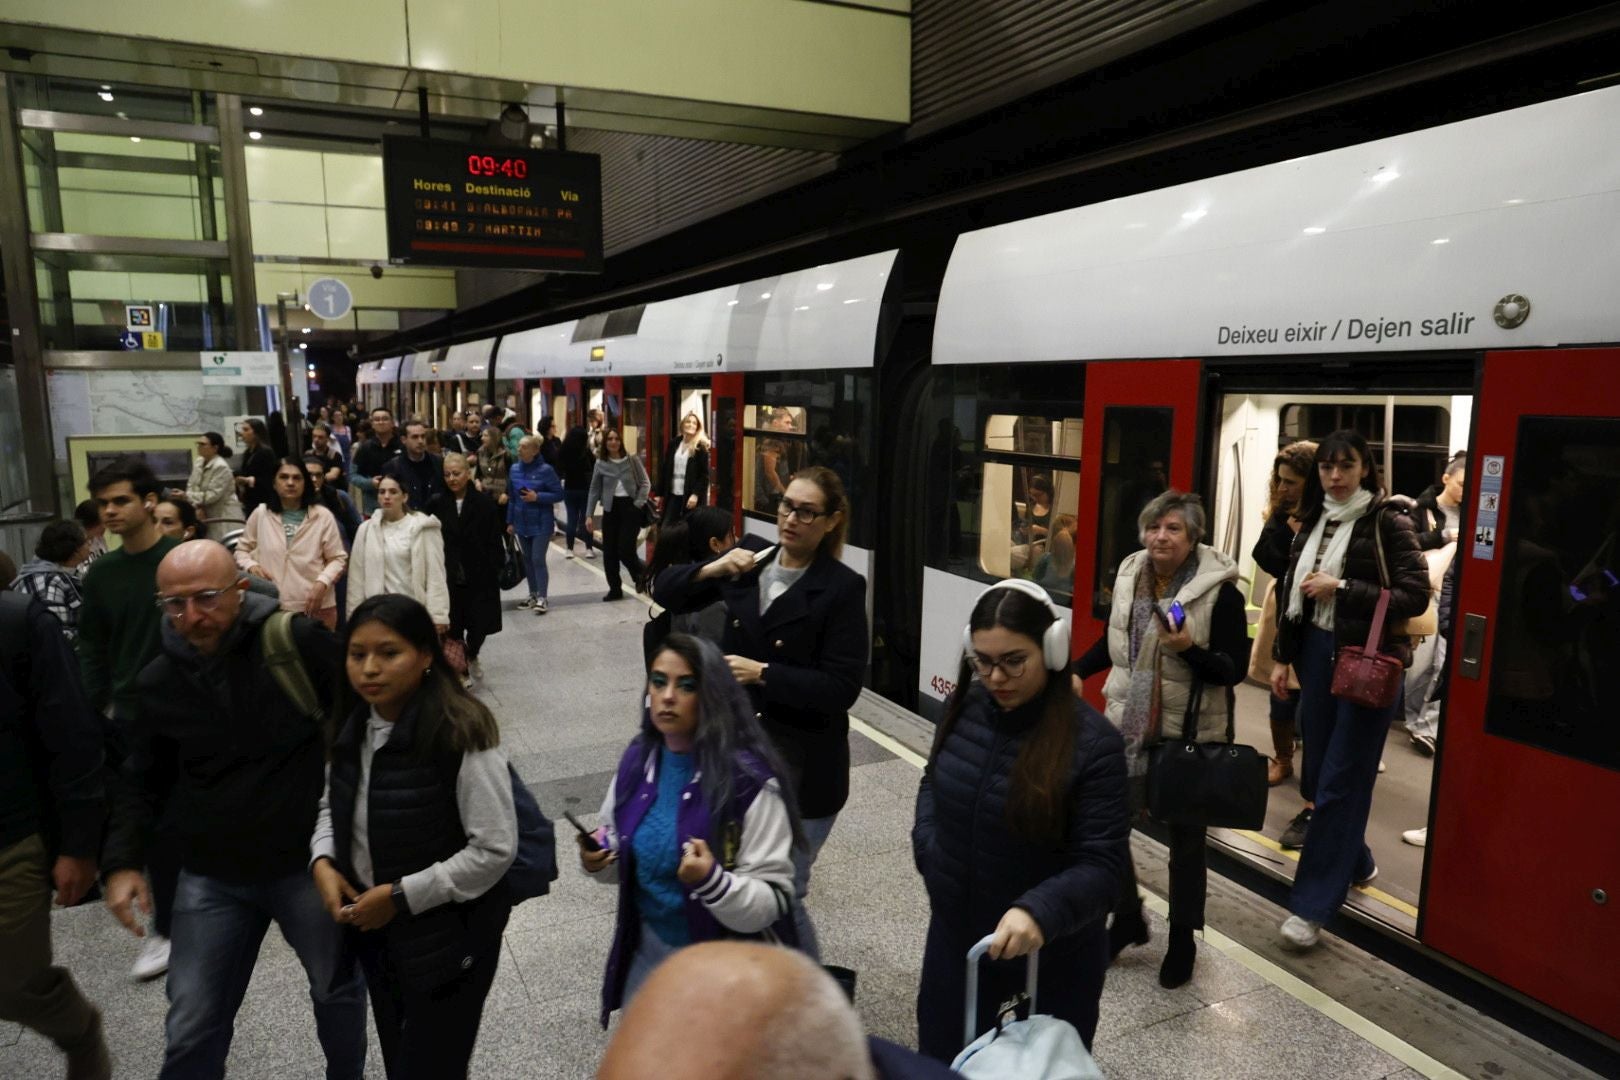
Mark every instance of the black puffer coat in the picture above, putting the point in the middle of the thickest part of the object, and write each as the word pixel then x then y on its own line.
pixel 976 867
pixel 1353 608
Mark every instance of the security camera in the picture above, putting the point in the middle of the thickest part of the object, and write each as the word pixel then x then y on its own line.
pixel 376 270
pixel 353 352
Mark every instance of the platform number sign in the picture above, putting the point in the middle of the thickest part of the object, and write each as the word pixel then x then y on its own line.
pixel 329 299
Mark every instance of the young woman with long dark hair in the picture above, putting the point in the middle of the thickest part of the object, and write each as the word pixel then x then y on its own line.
pixel 1327 600
pixel 415 833
pixel 472 524
pixel 1021 827
pixel 697 827
pixel 257 479
pixel 578 463
pixel 296 543
pixel 1289 470
pixel 696 538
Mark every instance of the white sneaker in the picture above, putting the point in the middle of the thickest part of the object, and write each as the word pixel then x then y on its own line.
pixel 1416 837
pixel 526 603
pixel 1380 764
pixel 1368 879
pixel 475 670
pixel 153 960
pixel 1300 933
pixel 568 553
pixel 590 553
pixel 540 606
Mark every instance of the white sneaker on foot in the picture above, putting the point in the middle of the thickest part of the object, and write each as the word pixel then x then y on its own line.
pixel 153 960
pixel 1416 837
pixel 1300 933
pixel 568 553
pixel 540 606
pixel 475 670
pixel 526 603
pixel 590 553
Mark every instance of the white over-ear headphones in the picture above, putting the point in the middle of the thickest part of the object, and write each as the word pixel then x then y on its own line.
pixel 1055 642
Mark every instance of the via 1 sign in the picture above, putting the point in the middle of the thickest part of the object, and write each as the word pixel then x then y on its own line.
pixel 329 298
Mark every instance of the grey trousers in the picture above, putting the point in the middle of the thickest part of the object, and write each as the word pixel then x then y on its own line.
pixel 33 992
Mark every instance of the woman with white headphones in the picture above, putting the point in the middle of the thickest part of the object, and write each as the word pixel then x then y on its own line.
pixel 1021 826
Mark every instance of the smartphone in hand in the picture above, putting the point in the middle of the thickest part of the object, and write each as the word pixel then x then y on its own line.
pixel 587 839
pixel 1173 617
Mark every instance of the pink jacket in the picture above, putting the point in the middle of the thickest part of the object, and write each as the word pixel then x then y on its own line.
pixel 316 554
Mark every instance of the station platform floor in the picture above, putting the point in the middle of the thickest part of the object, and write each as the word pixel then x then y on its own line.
pixel 566 687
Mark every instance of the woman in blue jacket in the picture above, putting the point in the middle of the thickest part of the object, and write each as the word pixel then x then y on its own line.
pixel 533 490
pixel 1021 827
pixel 697 829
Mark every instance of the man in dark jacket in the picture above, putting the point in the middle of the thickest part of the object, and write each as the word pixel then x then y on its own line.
pixel 250 763
pixel 420 473
pixel 50 797
pixel 370 457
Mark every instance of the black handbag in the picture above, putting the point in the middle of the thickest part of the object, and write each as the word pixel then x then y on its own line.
pixel 1206 784
pixel 512 572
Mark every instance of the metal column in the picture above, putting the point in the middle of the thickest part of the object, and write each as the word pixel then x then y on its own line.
pixel 16 255
pixel 238 225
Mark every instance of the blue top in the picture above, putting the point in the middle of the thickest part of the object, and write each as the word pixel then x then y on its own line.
pixel 535 518
pixel 660 896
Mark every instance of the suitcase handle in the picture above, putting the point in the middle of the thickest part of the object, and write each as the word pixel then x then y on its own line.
pixel 975 954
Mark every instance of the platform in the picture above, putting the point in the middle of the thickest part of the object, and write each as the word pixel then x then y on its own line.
pixel 566 688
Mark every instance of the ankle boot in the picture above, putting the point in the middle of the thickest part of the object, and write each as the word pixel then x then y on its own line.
pixel 1281 767
pixel 1178 959
pixel 1128 928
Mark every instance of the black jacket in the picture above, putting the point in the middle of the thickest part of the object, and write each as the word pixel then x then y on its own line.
pixel 250 766
pixel 1428 521
pixel 1276 541
pixel 260 463
pixel 473 554
pixel 51 741
pixel 422 480
pixel 697 473
pixel 976 867
pixel 412 822
pixel 371 456
pixel 815 640
pixel 577 460
pixel 1353 608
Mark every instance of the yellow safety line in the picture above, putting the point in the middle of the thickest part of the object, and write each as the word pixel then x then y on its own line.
pixel 1367 890
pixel 1290 984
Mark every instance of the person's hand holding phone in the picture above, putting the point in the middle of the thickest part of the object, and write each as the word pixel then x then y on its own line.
pixel 1173 633
pixel 336 892
pixel 528 494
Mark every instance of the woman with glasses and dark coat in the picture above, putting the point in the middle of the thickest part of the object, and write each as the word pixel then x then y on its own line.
pixel 796 638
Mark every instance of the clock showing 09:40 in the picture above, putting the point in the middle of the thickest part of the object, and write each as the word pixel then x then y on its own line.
pixel 488 165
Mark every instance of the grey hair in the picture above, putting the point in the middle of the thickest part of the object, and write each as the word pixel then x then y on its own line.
pixel 727 728
pixel 1189 506
pixel 820 1036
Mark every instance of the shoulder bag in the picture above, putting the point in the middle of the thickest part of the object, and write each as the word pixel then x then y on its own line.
pixel 1364 676
pixel 1420 626
pixel 1220 785
pixel 511 572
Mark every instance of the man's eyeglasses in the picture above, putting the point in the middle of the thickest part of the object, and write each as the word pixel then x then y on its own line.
pixel 1011 666
pixel 799 512
pixel 207 600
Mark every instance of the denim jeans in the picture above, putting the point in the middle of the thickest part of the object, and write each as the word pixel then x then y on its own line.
pixel 1422 704
pixel 575 525
pixel 534 562
pixel 816 831
pixel 651 950
pixel 1343 743
pixel 218 928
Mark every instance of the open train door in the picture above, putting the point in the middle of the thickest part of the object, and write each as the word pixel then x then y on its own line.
pixel 1140 437
pixel 1523 879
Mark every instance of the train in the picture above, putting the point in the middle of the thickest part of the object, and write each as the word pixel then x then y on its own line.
pixel 1455 288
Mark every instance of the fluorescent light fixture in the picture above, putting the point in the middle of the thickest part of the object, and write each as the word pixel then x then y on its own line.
pixel 303 344
pixel 802 307
pixel 255 135
pixel 764 296
pixel 1384 176
pixel 853 300
pixel 1194 215
pixel 254 110
pixel 823 286
pixel 731 303
pixel 308 330
pixel 1441 240
pixel 134 138
pixel 1314 230
pixel 105 95
pixel 1511 202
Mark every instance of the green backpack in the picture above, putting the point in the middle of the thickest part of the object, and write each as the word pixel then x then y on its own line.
pixel 280 653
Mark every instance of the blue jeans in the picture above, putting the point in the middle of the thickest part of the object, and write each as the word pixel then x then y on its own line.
pixel 1343 743
pixel 575 525
pixel 651 950
pixel 218 928
pixel 816 831
pixel 534 562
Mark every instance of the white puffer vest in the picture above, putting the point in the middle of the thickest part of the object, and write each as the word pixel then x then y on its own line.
pixel 1197 599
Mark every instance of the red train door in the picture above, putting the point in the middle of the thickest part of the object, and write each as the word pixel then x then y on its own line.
pixel 1140 437
pixel 726 433
pixel 1523 879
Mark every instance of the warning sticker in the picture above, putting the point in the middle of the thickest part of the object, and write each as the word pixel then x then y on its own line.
pixel 1490 504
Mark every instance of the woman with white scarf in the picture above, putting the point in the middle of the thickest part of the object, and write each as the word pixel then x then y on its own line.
pixel 1326 601
pixel 400 551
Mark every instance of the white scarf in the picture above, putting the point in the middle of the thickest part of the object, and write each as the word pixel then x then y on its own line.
pixel 1346 513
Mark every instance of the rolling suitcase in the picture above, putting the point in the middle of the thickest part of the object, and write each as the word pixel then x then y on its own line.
pixel 1040 1048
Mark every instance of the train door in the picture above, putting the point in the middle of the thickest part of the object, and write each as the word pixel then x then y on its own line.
pixel 693 399
pixel 1523 879
pixel 656 439
pixel 726 431
pixel 1140 436
pixel 575 410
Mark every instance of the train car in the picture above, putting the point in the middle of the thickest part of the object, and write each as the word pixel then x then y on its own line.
pixel 1449 289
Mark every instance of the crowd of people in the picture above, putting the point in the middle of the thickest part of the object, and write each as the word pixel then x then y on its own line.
pixel 225 740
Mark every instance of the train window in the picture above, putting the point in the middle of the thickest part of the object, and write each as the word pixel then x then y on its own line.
pixel 1554 679
pixel 808 419
pixel 725 450
pixel 1420 444
pixel 773 450
pixel 1029 499
pixel 1134 469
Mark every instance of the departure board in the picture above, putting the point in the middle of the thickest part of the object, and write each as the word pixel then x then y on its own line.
pixel 454 204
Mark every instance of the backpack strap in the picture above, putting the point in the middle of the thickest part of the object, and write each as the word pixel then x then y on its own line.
pixel 286 664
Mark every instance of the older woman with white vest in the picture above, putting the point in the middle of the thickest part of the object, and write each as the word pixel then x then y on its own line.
pixel 1177 643
pixel 399 550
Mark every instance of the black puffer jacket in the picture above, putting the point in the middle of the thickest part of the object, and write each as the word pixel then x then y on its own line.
pixel 1353 608
pixel 1271 551
pixel 1427 519
pixel 976 867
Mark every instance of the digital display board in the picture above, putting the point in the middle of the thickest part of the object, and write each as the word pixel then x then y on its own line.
pixel 453 204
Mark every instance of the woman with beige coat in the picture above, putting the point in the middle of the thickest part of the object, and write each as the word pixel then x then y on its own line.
pixel 212 487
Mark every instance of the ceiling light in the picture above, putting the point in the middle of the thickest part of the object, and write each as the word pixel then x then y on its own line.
pixel 303 344
pixel 308 330
pixel 823 286
pixel 1441 240
pixel 134 138
pixel 1384 176
pixel 1314 230
pixel 764 296
pixel 731 303
pixel 854 300
pixel 1194 215
pixel 254 110
pixel 255 135
pixel 105 95
pixel 1512 202
pixel 802 307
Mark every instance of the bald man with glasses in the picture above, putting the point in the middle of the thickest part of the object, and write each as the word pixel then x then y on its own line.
pixel 250 766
